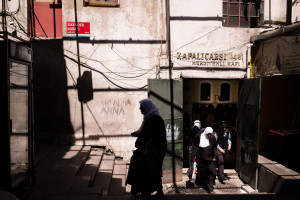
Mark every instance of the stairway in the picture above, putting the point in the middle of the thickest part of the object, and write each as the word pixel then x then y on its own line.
pixel 80 172
pixel 90 173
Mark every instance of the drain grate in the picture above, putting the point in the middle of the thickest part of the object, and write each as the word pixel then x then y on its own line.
pixel 198 190
pixel 185 190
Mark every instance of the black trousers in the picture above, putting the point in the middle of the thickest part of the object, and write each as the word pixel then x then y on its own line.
pixel 205 176
pixel 220 164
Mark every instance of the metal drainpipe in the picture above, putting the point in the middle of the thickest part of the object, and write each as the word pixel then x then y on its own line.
pixel 289 12
pixel 79 72
pixel 171 89
pixel 270 13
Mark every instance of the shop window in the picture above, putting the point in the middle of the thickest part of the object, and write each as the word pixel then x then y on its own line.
pixel 205 91
pixel 225 92
pixel 242 13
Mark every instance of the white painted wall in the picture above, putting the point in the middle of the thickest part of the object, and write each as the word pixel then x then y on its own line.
pixel 17 17
pixel 111 116
pixel 296 11
pixel 278 10
pixel 196 8
pixel 202 36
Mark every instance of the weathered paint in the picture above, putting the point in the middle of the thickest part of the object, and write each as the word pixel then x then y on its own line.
pixel 127 46
pixel 105 124
pixel 17 14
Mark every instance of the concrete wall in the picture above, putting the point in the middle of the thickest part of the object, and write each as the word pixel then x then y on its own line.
pixel 17 18
pixel 296 11
pixel 196 30
pixel 126 45
pixel 276 11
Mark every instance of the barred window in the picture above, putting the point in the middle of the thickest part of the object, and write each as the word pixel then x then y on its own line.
pixel 242 13
pixel 205 91
pixel 225 92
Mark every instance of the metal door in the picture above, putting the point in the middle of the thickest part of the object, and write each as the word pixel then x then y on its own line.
pixel 247 140
pixel 160 94
pixel 20 123
pixel 16 139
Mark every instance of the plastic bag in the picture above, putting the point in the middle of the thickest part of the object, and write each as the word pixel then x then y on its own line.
pixel 194 171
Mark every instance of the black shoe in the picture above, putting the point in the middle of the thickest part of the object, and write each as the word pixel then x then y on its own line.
pixel 189 184
pixel 159 195
pixel 144 196
pixel 222 179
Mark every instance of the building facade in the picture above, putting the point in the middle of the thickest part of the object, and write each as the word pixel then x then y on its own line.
pixel 95 60
pixel 16 95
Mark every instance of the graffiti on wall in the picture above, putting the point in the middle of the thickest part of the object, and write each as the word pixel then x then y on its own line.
pixel 114 106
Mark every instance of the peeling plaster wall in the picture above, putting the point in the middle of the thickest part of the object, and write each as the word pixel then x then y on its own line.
pixel 278 10
pixel 17 13
pixel 204 34
pixel 296 11
pixel 126 44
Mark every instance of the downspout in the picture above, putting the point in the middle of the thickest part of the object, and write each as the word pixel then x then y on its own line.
pixel 289 12
pixel 171 88
pixel 4 28
pixel 33 19
pixel 270 14
pixel 79 72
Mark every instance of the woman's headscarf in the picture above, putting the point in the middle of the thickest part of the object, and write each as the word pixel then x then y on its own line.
pixel 150 109
pixel 204 142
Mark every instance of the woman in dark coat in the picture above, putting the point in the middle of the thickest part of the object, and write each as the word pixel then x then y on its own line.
pixel 145 169
pixel 206 170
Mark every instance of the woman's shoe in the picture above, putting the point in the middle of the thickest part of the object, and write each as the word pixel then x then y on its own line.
pixel 222 179
pixel 144 196
pixel 159 194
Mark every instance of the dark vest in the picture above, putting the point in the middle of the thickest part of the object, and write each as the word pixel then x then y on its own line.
pixel 223 140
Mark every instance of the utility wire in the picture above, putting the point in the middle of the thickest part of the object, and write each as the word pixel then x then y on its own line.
pixel 109 69
pixel 197 39
pixel 88 67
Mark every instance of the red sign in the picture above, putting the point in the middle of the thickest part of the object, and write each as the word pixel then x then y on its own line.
pixel 83 29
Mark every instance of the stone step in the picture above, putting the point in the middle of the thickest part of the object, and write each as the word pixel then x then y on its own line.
pixel 65 159
pixel 118 181
pixel 90 168
pixel 77 190
pixel 104 174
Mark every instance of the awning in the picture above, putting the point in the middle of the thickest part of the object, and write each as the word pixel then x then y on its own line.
pixel 277 51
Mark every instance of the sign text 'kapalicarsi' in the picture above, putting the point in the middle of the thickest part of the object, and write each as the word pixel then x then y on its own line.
pixel 211 59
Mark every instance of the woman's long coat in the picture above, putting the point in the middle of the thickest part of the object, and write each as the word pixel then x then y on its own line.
pixel 145 169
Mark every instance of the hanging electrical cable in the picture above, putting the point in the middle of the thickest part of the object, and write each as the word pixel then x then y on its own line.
pixel 89 67
pixel 197 39
pixel 109 69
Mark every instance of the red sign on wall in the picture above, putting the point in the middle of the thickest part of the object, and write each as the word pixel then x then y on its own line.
pixel 83 29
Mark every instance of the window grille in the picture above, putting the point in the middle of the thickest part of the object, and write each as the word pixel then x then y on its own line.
pixel 242 13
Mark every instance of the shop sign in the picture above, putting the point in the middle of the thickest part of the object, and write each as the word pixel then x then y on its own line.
pixel 83 29
pixel 204 59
